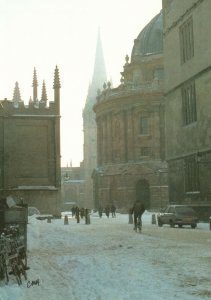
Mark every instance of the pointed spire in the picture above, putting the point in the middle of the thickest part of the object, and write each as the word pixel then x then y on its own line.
pixel 56 87
pixel 44 97
pixel 99 74
pixel 56 84
pixel 16 94
pixel 35 85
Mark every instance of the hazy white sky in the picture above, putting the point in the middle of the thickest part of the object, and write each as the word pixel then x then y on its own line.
pixel 46 33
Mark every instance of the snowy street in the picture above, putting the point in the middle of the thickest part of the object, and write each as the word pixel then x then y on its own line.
pixel 108 260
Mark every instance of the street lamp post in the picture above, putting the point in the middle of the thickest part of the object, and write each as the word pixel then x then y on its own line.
pixel 161 171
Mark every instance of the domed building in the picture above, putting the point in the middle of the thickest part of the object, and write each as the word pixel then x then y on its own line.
pixel 130 129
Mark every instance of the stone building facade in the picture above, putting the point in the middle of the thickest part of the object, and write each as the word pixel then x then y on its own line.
pixel 30 148
pixel 187 43
pixel 130 129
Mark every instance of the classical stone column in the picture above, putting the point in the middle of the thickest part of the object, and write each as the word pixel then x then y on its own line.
pixel 103 136
pixel 99 148
pixel 130 135
pixel 125 148
pixel 109 140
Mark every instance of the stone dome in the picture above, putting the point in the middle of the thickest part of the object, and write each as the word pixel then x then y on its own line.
pixel 150 39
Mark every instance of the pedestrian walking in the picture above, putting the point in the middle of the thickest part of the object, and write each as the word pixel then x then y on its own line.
pixel 113 211
pixel 107 211
pixel 100 211
pixel 77 214
pixel 137 210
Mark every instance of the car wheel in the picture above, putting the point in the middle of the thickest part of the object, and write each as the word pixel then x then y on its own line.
pixel 180 225
pixel 171 223
pixel 193 226
pixel 210 225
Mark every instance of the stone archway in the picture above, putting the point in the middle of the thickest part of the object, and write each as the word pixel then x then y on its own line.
pixel 143 192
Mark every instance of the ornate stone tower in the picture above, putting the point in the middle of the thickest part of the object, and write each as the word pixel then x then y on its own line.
pixel 30 148
pixel 89 123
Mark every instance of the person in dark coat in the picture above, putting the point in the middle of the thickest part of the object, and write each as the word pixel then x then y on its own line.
pixel 82 212
pixel 77 214
pixel 107 211
pixel 113 211
pixel 137 210
pixel 100 211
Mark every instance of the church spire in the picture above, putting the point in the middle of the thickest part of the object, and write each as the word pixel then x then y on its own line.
pixel 35 85
pixel 99 73
pixel 44 97
pixel 16 94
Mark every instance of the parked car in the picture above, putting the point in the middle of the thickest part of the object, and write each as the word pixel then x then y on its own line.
pixel 33 211
pixel 177 215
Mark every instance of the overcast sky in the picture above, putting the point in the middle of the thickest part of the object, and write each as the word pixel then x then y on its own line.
pixel 46 33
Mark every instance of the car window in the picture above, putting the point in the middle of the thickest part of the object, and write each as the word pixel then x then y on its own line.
pixel 171 210
pixel 33 211
pixel 184 210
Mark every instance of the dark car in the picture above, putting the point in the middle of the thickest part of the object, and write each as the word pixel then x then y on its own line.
pixel 177 215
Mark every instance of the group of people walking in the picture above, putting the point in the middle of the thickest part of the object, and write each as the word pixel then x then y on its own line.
pixel 136 211
pixel 107 210
pixel 79 213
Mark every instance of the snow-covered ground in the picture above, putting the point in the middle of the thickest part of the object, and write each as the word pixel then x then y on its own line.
pixel 107 260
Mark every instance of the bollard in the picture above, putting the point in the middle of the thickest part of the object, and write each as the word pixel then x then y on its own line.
pixel 87 216
pixel 49 220
pixel 88 219
pixel 153 219
pixel 66 220
pixel 130 219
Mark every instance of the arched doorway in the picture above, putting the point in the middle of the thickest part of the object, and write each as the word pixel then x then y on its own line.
pixel 143 192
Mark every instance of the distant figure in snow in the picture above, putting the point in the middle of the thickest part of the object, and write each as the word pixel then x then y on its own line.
pixel 100 211
pixel 77 214
pixel 107 211
pixel 113 211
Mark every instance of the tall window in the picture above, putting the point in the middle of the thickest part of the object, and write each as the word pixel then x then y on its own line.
pixel 191 175
pixel 186 40
pixel 144 125
pixel 189 103
pixel 146 151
